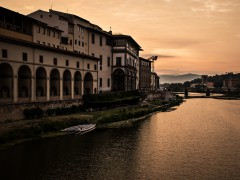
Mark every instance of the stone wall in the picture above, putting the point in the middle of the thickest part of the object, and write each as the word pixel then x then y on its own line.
pixel 15 111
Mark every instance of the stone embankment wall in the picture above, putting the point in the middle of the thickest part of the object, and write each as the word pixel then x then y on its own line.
pixel 164 95
pixel 15 111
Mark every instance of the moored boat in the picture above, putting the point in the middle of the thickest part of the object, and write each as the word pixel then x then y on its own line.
pixel 80 129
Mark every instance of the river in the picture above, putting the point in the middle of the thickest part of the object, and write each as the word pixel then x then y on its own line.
pixel 198 140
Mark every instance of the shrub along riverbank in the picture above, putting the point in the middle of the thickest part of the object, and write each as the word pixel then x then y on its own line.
pixel 18 131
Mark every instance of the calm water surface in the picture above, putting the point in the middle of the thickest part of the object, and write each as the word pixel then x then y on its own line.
pixel 199 140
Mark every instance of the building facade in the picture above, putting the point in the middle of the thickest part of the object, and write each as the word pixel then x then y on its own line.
pixel 81 36
pixel 51 56
pixel 155 81
pixel 125 68
pixel 231 84
pixel 33 67
pixel 144 74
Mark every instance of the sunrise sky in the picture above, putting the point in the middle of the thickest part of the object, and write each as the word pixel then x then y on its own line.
pixel 190 36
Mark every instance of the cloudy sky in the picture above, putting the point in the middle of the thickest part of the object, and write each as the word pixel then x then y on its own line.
pixel 190 36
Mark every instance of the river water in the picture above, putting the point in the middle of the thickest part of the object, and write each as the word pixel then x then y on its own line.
pixel 198 140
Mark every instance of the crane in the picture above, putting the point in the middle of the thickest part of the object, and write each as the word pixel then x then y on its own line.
pixel 152 59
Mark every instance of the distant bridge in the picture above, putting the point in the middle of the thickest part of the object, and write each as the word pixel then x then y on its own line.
pixel 199 95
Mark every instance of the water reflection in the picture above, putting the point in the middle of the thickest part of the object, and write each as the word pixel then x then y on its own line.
pixel 199 140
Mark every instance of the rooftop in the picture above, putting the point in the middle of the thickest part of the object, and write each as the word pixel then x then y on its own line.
pixel 122 36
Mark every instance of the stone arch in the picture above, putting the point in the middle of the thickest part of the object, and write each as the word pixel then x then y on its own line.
pixel 6 82
pixel 54 83
pixel 88 83
pixel 41 82
pixel 24 82
pixel 118 77
pixel 77 83
pixel 67 79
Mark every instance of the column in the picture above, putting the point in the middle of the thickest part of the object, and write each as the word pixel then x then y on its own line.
pixel 15 89
pixel 82 84
pixel 48 89
pixel 72 88
pixel 61 87
pixel 33 92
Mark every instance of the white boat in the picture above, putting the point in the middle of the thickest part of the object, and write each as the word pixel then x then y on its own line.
pixel 80 129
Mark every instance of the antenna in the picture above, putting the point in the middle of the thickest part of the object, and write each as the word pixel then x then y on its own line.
pixel 110 30
pixel 51 4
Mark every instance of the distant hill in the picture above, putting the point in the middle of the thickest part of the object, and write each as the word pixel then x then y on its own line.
pixel 173 78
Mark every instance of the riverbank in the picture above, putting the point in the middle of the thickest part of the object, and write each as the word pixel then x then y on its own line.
pixel 14 132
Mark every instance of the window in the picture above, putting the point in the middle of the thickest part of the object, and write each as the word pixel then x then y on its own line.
pixel 77 64
pixel 70 42
pixel 118 61
pixel 55 61
pixel 4 53
pixel 93 38
pixel 82 44
pixel 88 66
pixel 75 42
pixel 67 63
pixel 41 59
pixel 100 60
pixel 48 32
pixel 44 30
pixel 95 67
pixel 24 56
pixel 79 43
pixel 100 41
pixel 53 33
pixel 100 82
pixel 108 82
pixel 109 63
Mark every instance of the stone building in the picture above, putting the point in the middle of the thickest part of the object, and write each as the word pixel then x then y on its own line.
pixel 81 36
pixel 51 55
pixel 155 81
pixel 232 84
pixel 144 74
pixel 35 68
pixel 125 68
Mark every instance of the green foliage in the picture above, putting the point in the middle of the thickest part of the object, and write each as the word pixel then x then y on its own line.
pixel 111 99
pixel 37 113
pixel 33 113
